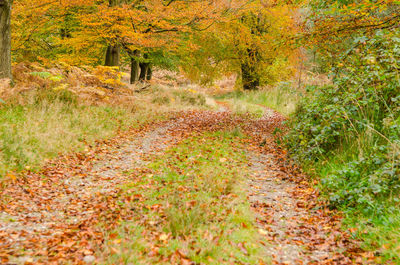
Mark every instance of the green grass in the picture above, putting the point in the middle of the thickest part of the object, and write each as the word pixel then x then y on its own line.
pixel 378 230
pixel 282 98
pixel 189 206
pixel 379 233
pixel 178 98
pixel 51 123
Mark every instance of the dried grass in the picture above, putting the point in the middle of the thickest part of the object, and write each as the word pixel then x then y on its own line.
pixel 57 109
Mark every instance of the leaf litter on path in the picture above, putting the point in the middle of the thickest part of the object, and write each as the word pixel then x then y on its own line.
pixel 300 229
pixel 61 214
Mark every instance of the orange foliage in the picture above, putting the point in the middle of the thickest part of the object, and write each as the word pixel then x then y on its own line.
pixel 77 32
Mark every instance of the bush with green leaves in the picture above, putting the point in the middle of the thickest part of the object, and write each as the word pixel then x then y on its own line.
pixel 353 126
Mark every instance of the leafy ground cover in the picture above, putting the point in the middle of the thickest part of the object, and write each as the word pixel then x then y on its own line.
pixel 70 195
pixel 173 191
pixel 189 207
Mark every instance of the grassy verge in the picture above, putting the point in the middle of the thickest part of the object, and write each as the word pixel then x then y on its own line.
pixel 380 234
pixel 49 123
pixel 189 207
pixel 52 123
pixel 281 98
pixel 376 226
pixel 352 147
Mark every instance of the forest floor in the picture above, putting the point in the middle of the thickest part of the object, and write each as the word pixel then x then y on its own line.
pixel 203 187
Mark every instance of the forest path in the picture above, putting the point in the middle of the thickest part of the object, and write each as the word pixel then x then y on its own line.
pixel 61 214
pixel 298 227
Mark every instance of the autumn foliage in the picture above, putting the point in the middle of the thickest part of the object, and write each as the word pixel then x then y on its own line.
pixel 181 179
pixel 216 37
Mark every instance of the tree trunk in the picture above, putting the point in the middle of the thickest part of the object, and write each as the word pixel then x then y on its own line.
pixel 112 55
pixel 144 69
pixel 250 79
pixel 134 66
pixel 113 51
pixel 250 76
pixel 149 73
pixel 5 38
pixel 134 70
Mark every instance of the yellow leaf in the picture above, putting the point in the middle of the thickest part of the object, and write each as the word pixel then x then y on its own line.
pixel 262 232
pixel 163 237
pixel 11 176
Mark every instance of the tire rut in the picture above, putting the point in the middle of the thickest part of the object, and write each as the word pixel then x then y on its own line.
pixel 60 214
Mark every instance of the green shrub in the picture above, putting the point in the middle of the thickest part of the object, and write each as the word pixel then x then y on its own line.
pixel 47 75
pixel 351 129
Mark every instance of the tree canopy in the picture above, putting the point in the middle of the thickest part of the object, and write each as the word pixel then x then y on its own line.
pixel 250 38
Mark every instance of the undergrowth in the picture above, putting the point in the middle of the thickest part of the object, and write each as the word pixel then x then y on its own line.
pixel 190 207
pixel 349 133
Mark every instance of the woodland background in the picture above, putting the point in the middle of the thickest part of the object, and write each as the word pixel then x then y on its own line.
pixel 70 70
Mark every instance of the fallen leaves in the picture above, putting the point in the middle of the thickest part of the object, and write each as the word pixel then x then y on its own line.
pixel 54 215
pixel 242 247
pixel 289 212
pixel 263 232
pixel 222 160
pixel 56 211
pixel 163 237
